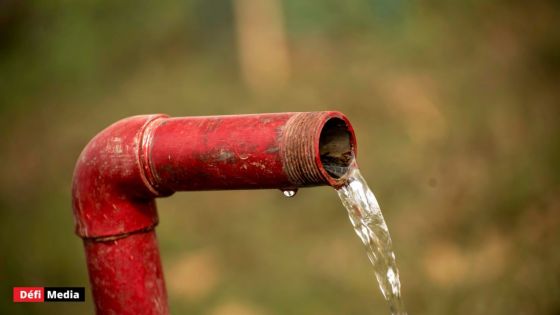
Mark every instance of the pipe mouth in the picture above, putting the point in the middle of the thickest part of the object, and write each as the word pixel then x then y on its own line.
pixel 336 147
pixel 318 149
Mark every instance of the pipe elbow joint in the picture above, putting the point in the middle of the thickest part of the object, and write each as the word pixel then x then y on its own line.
pixel 111 193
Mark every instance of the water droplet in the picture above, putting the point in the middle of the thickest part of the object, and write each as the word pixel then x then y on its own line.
pixel 289 192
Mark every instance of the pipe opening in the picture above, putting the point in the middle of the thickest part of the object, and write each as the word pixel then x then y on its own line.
pixel 335 147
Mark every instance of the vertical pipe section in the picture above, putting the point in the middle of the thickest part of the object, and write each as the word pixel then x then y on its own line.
pixel 126 275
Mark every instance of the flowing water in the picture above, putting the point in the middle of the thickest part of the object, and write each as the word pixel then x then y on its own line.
pixel 368 222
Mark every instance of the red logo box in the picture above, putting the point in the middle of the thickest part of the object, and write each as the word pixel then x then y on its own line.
pixel 29 294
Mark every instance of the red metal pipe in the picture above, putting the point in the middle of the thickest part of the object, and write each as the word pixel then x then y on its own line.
pixel 125 167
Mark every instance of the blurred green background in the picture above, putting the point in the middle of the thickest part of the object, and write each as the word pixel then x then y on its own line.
pixel 456 108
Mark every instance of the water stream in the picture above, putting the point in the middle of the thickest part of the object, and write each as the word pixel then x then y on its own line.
pixel 368 222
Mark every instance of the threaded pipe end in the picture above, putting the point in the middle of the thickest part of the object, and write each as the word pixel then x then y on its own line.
pixel 318 148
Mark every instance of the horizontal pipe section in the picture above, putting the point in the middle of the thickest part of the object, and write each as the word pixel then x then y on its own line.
pixel 220 152
pixel 238 152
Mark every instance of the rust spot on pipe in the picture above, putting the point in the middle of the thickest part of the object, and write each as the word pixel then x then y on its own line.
pixel 224 156
pixel 299 151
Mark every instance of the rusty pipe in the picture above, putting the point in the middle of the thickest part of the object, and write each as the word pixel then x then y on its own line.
pixel 126 166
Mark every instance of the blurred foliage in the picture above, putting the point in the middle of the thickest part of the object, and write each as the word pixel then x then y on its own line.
pixel 456 108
